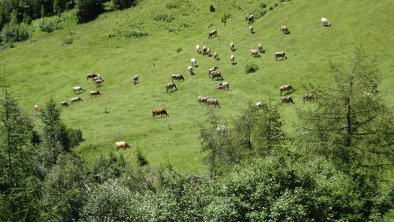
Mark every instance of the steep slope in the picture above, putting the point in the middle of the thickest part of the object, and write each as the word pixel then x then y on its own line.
pixel 44 68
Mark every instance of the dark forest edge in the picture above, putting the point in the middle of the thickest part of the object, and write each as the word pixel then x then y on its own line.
pixel 17 15
pixel 335 170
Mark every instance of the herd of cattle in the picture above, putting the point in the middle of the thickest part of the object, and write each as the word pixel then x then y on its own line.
pixel 213 73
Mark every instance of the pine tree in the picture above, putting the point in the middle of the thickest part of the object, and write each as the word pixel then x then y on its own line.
pixel 351 124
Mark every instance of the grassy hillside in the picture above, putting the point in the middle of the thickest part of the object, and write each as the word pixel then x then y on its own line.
pixel 44 68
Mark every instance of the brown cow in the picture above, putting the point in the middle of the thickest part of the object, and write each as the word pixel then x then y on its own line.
pixel 171 86
pixel 284 29
pixel 223 85
pixel 91 76
pixel 308 97
pixel 76 99
pixel 95 93
pixel 216 75
pixel 161 112
pixel 213 102
pixel 287 99
pixel 121 145
pixel 212 34
pixel 286 88
pixel 135 79
pixel 178 77
pixel 202 99
pixel 281 55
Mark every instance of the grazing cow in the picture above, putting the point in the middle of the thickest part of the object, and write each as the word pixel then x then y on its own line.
pixel 36 107
pixel 97 77
pixel 308 97
pixel 210 70
pixel 76 99
pixel 286 88
pixel 213 102
pixel 198 49
pixel 232 46
pixel 135 79
pixel 194 62
pixel 221 128
pixel 64 103
pixel 250 19
pixel 91 76
pixel 254 53
pixel 161 112
pixel 287 99
pixel 284 29
pixel 212 34
pixel 190 70
pixel 204 49
pixel 325 22
pixel 223 85
pixel 78 89
pixel 202 99
pixel 98 82
pixel 261 104
pixel 121 145
pixel 171 86
pixel 207 52
pixel 281 55
pixel 178 77
pixel 251 29
pixel 216 75
pixel 216 56
pixel 232 59
pixel 95 93
pixel 260 48
pixel 374 86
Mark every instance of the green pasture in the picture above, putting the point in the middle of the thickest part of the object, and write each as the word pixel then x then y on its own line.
pixel 45 68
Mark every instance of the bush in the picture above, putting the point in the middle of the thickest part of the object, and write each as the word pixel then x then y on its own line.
pixel 171 5
pixel 263 5
pixel 133 34
pixel 212 8
pixel 251 68
pixel 50 24
pixel 178 50
pixel 14 33
pixel 164 18
pixel 142 161
pixel 225 17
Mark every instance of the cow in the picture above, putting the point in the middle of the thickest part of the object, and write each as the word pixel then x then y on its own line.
pixel 36 107
pixel 251 29
pixel 213 33
pixel 232 59
pixel 308 97
pixel 254 53
pixel 207 52
pixel 284 29
pixel 64 103
pixel 135 79
pixel 213 102
pixel 91 76
pixel 190 70
pixel 287 99
pixel 198 49
pixel 78 89
pixel 281 55
pixel 98 82
pixel 161 112
pixel 95 93
pixel 210 70
pixel 374 86
pixel 204 49
pixel 261 104
pixel 216 75
pixel 286 88
pixel 250 19
pixel 202 99
pixel 325 22
pixel 216 56
pixel 171 86
pixel 178 77
pixel 193 62
pixel 97 78
pixel 260 48
pixel 223 85
pixel 221 128
pixel 121 145
pixel 232 46
pixel 76 99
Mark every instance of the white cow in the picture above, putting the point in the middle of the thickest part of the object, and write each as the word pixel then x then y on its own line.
pixel 232 46
pixel 325 22
pixel 78 89
pixel 194 62
pixel 190 69
pixel 198 49
pixel 232 59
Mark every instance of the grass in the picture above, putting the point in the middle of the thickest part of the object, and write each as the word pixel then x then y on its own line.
pixel 44 68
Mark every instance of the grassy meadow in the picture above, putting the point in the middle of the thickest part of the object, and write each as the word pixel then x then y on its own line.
pixel 44 68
